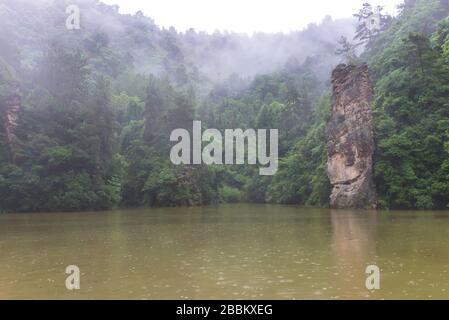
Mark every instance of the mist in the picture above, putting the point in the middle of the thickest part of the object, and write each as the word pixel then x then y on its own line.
pixel 150 49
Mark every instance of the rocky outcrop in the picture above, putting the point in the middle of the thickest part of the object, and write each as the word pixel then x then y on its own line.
pixel 9 107
pixel 351 140
pixel 9 114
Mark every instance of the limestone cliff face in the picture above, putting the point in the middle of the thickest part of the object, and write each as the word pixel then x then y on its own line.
pixel 9 107
pixel 350 140
pixel 9 114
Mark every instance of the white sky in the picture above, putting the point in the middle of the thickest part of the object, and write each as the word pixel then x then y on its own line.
pixel 245 15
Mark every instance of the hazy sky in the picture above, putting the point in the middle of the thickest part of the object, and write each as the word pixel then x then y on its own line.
pixel 244 15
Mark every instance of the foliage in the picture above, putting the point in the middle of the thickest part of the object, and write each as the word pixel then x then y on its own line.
pixel 99 105
pixel 411 108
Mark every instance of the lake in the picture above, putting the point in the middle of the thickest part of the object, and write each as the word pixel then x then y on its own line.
pixel 225 252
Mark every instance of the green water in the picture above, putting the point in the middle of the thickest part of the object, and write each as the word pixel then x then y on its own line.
pixel 226 252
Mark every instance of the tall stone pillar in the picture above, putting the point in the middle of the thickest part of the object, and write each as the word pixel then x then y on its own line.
pixel 351 140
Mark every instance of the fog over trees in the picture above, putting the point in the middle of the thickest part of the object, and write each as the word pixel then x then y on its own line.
pixel 97 106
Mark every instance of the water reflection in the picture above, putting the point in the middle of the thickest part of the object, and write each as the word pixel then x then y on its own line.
pixel 353 246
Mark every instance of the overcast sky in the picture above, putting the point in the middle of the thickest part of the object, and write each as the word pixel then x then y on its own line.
pixel 244 15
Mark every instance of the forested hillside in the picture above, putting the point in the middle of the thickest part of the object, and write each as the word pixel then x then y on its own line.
pixel 409 67
pixel 98 105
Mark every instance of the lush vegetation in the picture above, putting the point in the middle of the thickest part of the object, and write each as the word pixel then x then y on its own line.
pixel 98 106
pixel 409 67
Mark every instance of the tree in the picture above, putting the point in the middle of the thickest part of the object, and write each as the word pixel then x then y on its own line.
pixel 348 50
pixel 420 55
pixel 65 159
pixel 371 23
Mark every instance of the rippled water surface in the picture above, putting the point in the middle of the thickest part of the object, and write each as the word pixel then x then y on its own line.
pixel 225 252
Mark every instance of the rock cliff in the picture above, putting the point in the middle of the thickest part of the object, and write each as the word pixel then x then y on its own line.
pixel 350 140
pixel 9 114
pixel 9 107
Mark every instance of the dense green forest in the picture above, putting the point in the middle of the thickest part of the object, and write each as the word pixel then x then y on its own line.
pixel 98 106
pixel 409 68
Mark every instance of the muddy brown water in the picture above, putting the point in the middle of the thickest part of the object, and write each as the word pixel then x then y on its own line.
pixel 225 252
